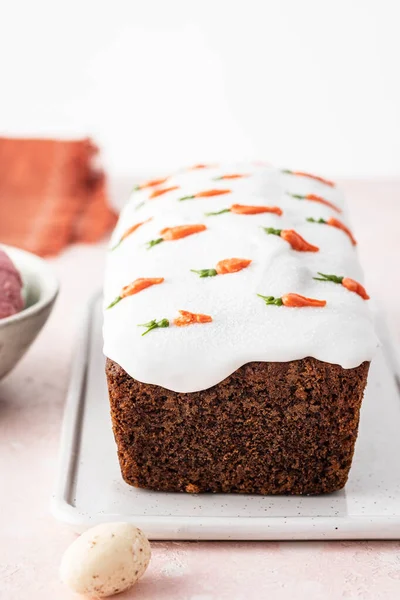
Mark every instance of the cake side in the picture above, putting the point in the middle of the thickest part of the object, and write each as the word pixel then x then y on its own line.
pixel 268 428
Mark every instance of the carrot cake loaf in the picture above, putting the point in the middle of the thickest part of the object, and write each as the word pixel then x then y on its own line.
pixel 237 332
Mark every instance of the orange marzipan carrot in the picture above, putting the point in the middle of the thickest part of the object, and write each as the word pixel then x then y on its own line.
pixel 140 284
pixel 205 194
pixel 315 198
pixel 297 242
pixel 233 176
pixel 339 225
pixel 200 166
pixel 162 191
pixel 209 193
pixel 129 231
pixel 181 231
pixel 152 183
pixel 133 228
pixel 136 286
pixel 311 176
pixel 316 177
pixel 231 265
pixel 243 209
pixel 349 284
pixel 354 286
pixel 223 267
pixel 297 301
pixel 169 234
pixel 189 318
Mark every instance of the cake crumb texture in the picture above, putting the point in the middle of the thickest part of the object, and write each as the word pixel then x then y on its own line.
pixel 268 428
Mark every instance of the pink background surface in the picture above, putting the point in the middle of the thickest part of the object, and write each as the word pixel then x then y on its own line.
pixel 31 405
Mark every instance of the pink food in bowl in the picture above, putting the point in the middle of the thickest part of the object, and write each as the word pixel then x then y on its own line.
pixel 11 301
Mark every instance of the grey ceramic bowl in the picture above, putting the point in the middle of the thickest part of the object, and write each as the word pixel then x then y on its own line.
pixel 40 290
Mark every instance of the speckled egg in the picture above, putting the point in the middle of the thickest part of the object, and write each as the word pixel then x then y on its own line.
pixel 105 560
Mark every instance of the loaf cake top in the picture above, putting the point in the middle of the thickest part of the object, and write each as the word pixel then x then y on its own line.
pixel 216 266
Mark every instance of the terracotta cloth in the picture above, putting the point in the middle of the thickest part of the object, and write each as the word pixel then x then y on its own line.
pixel 51 194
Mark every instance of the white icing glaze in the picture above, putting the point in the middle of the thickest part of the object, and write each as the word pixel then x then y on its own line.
pixel 244 329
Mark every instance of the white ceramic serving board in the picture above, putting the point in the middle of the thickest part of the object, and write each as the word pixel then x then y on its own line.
pixel 90 489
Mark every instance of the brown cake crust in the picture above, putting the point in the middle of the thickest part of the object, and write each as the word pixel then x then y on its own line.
pixel 269 428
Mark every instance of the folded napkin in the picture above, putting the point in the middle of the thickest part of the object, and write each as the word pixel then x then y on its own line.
pixel 51 194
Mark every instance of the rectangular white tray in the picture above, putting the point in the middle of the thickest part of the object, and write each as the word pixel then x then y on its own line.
pixel 90 489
